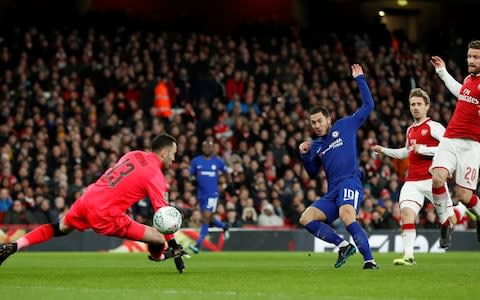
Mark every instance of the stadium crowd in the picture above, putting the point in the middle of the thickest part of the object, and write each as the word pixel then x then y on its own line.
pixel 74 100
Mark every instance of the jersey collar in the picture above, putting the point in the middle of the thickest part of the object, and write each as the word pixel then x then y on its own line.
pixel 157 160
pixel 424 121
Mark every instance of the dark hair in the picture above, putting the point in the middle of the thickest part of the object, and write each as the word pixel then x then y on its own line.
pixel 474 44
pixel 163 140
pixel 320 109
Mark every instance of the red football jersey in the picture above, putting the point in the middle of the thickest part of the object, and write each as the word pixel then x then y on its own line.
pixel 465 122
pixel 428 133
pixel 136 175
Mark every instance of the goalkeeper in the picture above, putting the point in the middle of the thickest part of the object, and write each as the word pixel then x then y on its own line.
pixel 103 205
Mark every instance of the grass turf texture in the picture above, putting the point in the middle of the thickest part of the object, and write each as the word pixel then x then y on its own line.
pixel 236 275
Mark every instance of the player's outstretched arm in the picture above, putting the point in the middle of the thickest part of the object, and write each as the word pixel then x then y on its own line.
pixel 438 62
pixel 367 100
pixel 441 69
pixel 399 153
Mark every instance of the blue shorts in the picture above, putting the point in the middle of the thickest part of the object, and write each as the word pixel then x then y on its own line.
pixel 348 191
pixel 208 202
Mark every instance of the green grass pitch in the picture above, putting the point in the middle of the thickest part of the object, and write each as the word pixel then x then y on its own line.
pixel 236 275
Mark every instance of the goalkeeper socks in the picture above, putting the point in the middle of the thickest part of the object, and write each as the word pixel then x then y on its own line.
pixel 218 223
pixel 203 234
pixel 324 232
pixel 409 234
pixel 361 240
pixel 40 234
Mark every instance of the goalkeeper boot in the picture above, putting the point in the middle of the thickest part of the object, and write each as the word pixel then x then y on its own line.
pixel 344 253
pixel 404 261
pixel 6 250
pixel 178 260
pixel 446 235
pixel 179 264
pixel 175 252
pixel 370 265
pixel 170 253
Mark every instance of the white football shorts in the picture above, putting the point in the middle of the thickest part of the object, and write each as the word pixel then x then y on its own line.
pixel 413 194
pixel 460 157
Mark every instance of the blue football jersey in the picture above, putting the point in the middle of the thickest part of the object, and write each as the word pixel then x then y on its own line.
pixel 206 171
pixel 337 150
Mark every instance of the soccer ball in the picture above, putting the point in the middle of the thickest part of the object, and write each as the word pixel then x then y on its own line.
pixel 167 219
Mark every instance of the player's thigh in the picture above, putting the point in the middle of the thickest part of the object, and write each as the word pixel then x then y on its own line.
pixel 209 203
pixel 117 225
pixel 327 206
pixel 468 160
pixel 445 157
pixel 312 213
pixel 413 193
pixel 75 218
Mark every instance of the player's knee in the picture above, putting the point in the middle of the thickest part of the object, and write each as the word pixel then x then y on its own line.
pixel 347 214
pixel 57 231
pixel 407 215
pixel 438 179
pixel 305 219
pixel 463 194
pixel 348 218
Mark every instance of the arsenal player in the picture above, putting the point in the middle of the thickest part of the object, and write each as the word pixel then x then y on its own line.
pixel 459 151
pixel 423 137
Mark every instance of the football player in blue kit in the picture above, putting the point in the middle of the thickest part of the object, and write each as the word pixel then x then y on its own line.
pixel 206 169
pixel 335 150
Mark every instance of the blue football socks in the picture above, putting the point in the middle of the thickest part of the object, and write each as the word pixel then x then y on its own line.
pixel 361 240
pixel 324 232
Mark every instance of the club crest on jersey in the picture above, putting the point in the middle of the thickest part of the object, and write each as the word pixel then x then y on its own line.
pixel 424 132
pixel 335 134
pixel 214 167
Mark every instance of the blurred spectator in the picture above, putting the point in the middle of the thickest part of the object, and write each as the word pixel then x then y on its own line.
pixel 42 213
pixel 430 221
pixel 195 220
pixel 19 214
pixel 232 219
pixel 249 216
pixel 268 218
pixel 5 200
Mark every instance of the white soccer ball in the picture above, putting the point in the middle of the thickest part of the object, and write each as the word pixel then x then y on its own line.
pixel 167 219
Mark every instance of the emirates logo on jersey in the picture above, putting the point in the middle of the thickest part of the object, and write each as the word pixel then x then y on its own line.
pixel 424 132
